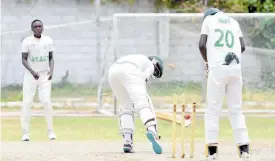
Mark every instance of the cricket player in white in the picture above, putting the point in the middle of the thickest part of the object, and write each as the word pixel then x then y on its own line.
pixel 37 58
pixel 221 46
pixel 128 77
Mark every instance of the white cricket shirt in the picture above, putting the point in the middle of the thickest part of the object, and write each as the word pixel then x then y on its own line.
pixel 141 61
pixel 223 37
pixel 38 50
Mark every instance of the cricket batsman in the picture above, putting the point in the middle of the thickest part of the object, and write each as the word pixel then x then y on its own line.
pixel 221 45
pixel 37 58
pixel 128 77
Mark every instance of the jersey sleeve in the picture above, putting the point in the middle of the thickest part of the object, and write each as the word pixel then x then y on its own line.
pixel 51 46
pixel 239 31
pixel 149 71
pixel 204 28
pixel 25 46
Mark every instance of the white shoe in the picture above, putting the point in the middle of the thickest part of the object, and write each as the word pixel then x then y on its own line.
pixel 245 156
pixel 187 123
pixel 52 136
pixel 25 137
pixel 212 157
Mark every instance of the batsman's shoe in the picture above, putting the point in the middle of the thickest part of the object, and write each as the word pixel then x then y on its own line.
pixel 245 156
pixel 52 135
pixel 211 152
pixel 25 137
pixel 212 157
pixel 128 148
pixel 155 143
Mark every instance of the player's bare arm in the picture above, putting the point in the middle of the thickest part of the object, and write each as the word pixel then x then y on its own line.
pixel 242 44
pixel 51 63
pixel 27 65
pixel 202 46
pixel 203 51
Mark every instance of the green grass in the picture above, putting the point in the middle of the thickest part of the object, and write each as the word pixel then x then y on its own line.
pixel 17 109
pixel 92 128
pixel 162 91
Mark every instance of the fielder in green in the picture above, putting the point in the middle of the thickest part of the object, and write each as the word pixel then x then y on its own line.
pixel 37 58
pixel 128 77
pixel 221 46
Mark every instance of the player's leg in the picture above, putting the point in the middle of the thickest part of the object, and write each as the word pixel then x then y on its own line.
pixel 126 109
pixel 136 88
pixel 29 89
pixel 236 116
pixel 126 121
pixel 44 89
pixel 215 95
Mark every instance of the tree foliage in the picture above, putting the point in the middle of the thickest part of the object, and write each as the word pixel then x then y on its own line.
pixel 235 6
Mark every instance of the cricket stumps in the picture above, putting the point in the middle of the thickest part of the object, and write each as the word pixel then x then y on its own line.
pixel 184 117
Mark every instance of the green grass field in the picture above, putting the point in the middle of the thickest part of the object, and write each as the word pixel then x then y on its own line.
pixel 101 128
pixel 158 91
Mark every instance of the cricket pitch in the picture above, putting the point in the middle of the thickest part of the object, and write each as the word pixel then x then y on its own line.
pixel 112 151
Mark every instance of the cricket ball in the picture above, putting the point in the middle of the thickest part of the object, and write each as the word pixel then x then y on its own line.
pixel 187 117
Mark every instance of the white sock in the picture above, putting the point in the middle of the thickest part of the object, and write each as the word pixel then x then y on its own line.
pixel 127 138
pixel 152 128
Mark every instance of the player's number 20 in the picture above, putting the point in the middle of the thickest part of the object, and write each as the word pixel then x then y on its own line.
pixel 226 36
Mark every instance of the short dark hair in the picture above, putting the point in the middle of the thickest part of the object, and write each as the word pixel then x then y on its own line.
pixel 36 21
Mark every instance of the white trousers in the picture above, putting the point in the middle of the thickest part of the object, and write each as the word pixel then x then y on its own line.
pixel 130 90
pixel 225 81
pixel 29 89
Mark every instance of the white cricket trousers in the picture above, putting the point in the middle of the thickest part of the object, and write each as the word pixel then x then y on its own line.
pixel 225 81
pixel 129 87
pixel 29 89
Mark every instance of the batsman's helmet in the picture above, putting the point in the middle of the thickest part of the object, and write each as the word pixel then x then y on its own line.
pixel 211 11
pixel 158 66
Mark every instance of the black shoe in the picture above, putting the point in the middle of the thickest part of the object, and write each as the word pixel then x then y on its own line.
pixel 128 148
pixel 244 150
pixel 212 150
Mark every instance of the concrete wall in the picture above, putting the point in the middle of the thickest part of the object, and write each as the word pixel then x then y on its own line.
pixel 76 44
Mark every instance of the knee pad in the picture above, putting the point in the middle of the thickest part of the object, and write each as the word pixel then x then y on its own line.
pixel 147 116
pixel 126 122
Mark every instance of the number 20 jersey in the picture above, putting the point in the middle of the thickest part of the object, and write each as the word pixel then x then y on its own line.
pixel 223 33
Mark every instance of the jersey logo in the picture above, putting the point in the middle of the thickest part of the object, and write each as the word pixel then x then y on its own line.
pixel 39 58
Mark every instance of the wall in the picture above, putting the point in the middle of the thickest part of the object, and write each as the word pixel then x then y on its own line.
pixel 75 44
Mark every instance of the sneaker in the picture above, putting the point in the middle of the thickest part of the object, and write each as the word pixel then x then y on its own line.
pixel 212 153
pixel 155 142
pixel 244 152
pixel 25 137
pixel 212 157
pixel 128 148
pixel 245 156
pixel 52 136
